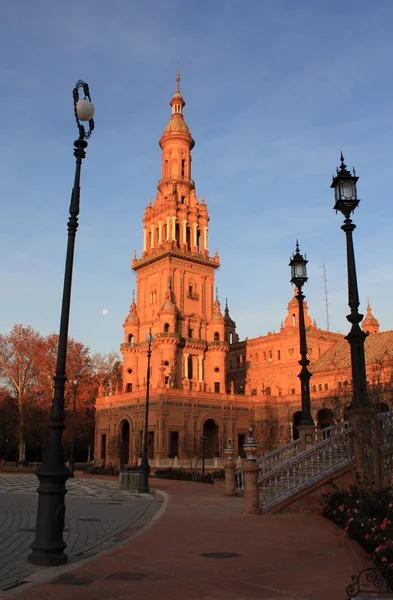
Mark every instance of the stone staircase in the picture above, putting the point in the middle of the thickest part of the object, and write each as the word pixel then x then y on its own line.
pixel 287 472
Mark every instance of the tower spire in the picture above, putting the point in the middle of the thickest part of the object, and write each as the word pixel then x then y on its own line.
pixel 178 81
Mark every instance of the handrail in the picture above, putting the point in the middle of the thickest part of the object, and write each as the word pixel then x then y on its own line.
pixel 305 469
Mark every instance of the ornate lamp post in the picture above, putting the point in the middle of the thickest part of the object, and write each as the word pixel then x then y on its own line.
pixel 344 185
pixel 48 545
pixel 6 450
pixel 71 462
pixel 144 468
pixel 299 278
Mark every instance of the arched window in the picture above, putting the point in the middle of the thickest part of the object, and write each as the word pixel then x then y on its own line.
pixel 166 173
pixel 339 385
pixel 320 387
pixel 270 355
pixel 131 339
pixel 183 167
pixel 166 327
pixel 230 337
pixel 216 336
pixel 326 386
pixel 314 388
pixel 293 320
pixel 188 238
pixel 264 356
pixel 178 234
pixel 199 240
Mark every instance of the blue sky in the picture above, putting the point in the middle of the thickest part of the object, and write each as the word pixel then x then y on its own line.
pixel 274 91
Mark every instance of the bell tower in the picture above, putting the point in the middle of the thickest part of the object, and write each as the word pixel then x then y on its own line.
pixel 175 279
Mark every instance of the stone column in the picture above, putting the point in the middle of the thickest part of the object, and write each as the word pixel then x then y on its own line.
pixel 251 489
pixel 200 368
pixel 174 228
pixel 186 366
pixel 229 466
pixel 159 232
pixel 152 236
pixel 205 238
pixel 144 239
pixel 167 228
pixel 184 231
pixel 364 425
pixel 195 227
pixel 251 470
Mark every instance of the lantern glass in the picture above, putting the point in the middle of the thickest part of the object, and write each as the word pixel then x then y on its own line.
pixel 347 189
pixel 149 338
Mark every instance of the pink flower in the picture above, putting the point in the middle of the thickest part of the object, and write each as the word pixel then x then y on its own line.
pixel 367 536
pixel 384 559
pixel 383 525
pixel 341 507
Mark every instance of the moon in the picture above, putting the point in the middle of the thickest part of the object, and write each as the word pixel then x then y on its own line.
pixel 105 311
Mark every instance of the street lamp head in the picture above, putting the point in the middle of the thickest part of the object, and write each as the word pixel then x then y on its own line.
pixel 298 265
pixel 75 382
pixel 83 109
pixel 345 193
pixel 149 337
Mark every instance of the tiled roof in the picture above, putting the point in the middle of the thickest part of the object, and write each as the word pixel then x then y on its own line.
pixel 378 346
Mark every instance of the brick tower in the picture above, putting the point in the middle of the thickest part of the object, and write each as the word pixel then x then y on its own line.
pixel 175 280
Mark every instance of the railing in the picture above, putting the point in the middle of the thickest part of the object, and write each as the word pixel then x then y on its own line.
pixel 327 432
pixel 168 334
pixel 385 422
pixel 173 180
pixel 305 469
pixel 239 479
pixel 273 460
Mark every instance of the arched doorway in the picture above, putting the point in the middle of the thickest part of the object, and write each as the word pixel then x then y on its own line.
pixel 296 422
pixel 325 419
pixel 124 443
pixel 210 433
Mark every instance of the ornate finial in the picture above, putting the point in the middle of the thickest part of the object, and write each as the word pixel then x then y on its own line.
pixel 353 171
pixel 226 303
pixel 203 200
pixel 134 253
pixel 297 246
pixel 216 294
pixel 178 81
pixel 343 166
pixel 216 251
pixel 133 296
pixel 149 202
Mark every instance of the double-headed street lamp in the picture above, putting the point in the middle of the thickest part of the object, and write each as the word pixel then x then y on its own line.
pixel 298 265
pixel 144 467
pixel 48 545
pixel 344 185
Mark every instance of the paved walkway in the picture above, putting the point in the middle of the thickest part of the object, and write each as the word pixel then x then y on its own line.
pixel 202 548
pixel 98 515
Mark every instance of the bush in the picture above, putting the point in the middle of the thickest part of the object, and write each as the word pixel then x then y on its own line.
pixel 182 475
pixel 109 470
pixel 366 516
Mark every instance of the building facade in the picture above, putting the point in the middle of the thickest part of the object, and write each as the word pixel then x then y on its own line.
pixel 206 386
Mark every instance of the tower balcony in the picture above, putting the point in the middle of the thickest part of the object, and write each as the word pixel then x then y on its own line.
pixel 170 249
pixel 184 181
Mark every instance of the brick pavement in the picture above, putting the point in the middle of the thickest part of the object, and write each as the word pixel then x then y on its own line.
pixel 97 516
pixel 285 556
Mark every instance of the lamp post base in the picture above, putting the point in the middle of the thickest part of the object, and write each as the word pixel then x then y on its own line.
pixel 48 545
pixel 143 479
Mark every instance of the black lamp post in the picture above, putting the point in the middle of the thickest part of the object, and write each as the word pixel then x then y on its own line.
pixel 217 452
pixel 299 277
pixel 48 545
pixel 203 440
pixel 144 467
pixel 38 451
pixel 140 443
pixel 344 185
pixel 71 462
pixel 6 450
